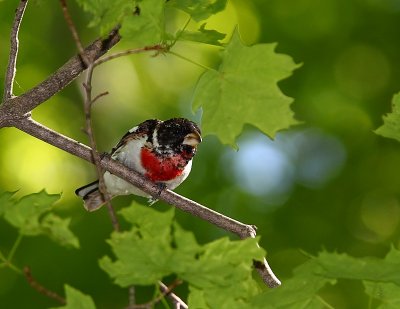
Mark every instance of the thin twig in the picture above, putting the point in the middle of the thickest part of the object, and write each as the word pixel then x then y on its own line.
pixel 157 47
pixel 132 296
pixel 15 247
pixel 96 157
pixel 14 44
pixel 39 131
pixel 40 288
pixel 178 303
pixel 165 290
pixel 87 110
pixel 99 96
pixel 74 32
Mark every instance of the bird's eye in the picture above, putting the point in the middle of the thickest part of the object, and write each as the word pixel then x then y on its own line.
pixel 189 150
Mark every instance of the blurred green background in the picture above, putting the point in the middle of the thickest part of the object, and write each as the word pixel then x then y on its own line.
pixel 329 183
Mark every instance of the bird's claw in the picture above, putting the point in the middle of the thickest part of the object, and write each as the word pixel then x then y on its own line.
pixel 161 187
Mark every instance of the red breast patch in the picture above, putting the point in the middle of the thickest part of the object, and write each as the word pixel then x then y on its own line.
pixel 160 169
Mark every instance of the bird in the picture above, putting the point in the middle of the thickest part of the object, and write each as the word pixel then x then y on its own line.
pixel 161 151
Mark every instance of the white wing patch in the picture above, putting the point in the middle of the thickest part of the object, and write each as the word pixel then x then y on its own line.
pixel 134 129
pixel 130 153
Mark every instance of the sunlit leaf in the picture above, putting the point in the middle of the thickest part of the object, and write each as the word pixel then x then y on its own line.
pixel 141 22
pixel 147 26
pixel 391 126
pixel 76 299
pixel 244 90
pixel 203 35
pixel 107 14
pixel 199 9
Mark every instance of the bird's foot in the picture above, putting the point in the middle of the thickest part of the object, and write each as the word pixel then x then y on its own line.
pixel 161 187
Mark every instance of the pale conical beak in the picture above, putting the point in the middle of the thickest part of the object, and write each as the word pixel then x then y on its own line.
pixel 192 139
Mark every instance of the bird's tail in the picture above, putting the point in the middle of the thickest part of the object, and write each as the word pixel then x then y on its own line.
pixel 92 198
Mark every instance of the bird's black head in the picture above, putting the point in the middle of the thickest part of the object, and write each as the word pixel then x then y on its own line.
pixel 179 134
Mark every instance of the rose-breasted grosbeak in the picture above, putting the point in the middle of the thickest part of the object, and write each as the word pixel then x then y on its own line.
pixel 162 151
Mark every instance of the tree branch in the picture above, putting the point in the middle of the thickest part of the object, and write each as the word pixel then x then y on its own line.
pixel 72 28
pixel 158 48
pixel 165 291
pixel 23 104
pixel 14 44
pixel 40 288
pixel 178 303
pixel 49 136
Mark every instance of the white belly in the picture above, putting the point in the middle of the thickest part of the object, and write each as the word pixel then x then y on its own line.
pixel 118 186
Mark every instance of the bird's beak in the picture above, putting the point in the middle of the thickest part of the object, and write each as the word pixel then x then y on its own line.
pixel 192 139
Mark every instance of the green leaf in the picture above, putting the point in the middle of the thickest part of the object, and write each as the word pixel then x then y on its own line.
pixel 4 198
pixel 219 273
pixel 25 213
pixel 211 37
pixel 142 22
pixel 140 261
pixel 244 90
pixel 76 299
pixel 222 262
pixel 32 216
pixel 57 229
pixel 197 298
pixel 336 265
pixel 143 252
pixel 387 293
pixel 146 28
pixel 391 126
pixel 108 14
pixel 199 9
pixel 300 291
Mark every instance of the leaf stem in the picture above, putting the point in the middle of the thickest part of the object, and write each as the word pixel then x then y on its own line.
pixel 324 302
pixel 7 263
pixel 14 268
pixel 181 31
pixel 164 302
pixel 192 61
pixel 14 247
pixel 2 257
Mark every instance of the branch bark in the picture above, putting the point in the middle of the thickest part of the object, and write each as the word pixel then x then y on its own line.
pixel 40 288
pixel 178 303
pixel 14 44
